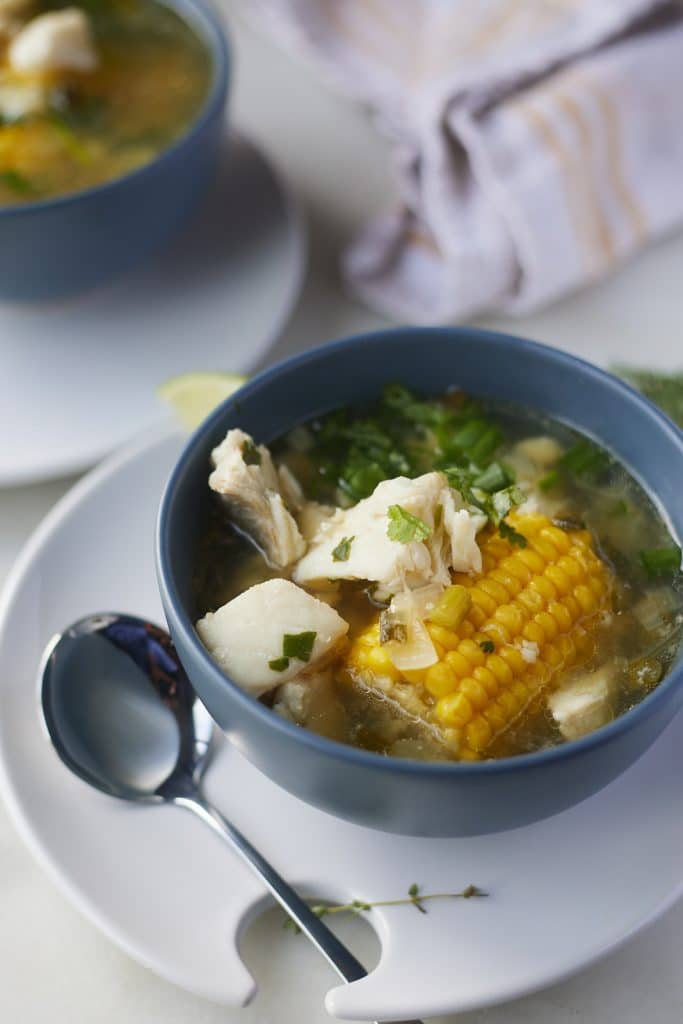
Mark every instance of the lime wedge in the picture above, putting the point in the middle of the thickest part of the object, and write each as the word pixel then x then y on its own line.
pixel 192 396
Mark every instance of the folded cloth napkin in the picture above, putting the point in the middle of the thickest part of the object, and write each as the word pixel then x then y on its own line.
pixel 538 142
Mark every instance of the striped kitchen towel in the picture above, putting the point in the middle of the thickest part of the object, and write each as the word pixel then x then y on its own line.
pixel 538 142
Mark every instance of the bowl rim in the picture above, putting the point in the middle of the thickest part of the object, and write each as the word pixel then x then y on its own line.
pixel 205 22
pixel 174 608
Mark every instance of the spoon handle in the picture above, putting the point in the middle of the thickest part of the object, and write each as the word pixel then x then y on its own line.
pixel 337 955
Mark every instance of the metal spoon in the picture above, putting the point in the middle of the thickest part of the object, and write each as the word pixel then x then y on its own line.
pixel 123 716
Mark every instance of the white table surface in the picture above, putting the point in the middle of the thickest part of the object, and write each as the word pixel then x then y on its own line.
pixel 53 965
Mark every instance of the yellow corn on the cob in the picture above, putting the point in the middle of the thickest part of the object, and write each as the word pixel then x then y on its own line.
pixel 536 605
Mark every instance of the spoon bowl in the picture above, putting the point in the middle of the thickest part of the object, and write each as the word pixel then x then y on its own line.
pixel 119 709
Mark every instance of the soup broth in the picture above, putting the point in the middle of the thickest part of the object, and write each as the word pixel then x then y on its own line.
pixel 573 618
pixel 63 130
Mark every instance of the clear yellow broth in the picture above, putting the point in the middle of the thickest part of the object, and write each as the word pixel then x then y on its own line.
pixel 152 78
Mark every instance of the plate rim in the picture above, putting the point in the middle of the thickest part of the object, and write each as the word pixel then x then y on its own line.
pixel 143 443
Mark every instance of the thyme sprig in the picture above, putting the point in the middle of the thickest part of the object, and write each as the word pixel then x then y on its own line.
pixel 414 898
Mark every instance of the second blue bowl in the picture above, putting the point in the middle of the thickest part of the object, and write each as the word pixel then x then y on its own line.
pixel 58 247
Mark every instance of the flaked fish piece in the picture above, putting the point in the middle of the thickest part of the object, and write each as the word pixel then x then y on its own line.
pixel 246 479
pixel 354 543
pixel 585 703
pixel 271 634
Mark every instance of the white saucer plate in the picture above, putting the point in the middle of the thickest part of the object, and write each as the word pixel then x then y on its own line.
pixel 563 892
pixel 79 377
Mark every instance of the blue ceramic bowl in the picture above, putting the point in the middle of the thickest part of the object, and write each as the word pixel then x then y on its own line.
pixel 391 794
pixel 66 245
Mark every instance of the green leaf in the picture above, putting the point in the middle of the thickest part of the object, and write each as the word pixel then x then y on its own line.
pixel 414 890
pixel 585 460
pixel 661 561
pixel 509 533
pixel 343 550
pixel 17 182
pixel 279 664
pixel 549 481
pixel 664 389
pixel 494 478
pixel 250 453
pixel 298 645
pixel 404 526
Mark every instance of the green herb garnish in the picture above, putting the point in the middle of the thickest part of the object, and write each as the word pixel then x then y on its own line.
pixel 487 646
pixel 509 533
pixel 279 664
pixel 414 898
pixel 404 526
pixel 343 550
pixel 584 460
pixel 298 645
pixel 664 389
pixel 549 481
pixel 661 561
pixel 17 182
pixel 494 478
pixel 251 454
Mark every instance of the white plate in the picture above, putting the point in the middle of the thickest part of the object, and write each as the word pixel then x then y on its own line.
pixel 563 892
pixel 79 377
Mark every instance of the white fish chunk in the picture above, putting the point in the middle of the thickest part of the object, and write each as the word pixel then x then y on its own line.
pixel 57 41
pixel 392 564
pixel 543 451
pixel 247 633
pixel 585 703
pixel 21 98
pixel 246 478
pixel 311 516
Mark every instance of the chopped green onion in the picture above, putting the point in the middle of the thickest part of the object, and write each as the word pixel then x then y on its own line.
pixel 298 645
pixel 661 561
pixel 486 445
pixel 487 646
pixel 404 526
pixel 278 664
pixel 343 550
pixel 470 434
pixel 585 460
pixel 494 478
pixel 549 481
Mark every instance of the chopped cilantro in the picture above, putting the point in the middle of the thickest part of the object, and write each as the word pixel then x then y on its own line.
pixel 549 481
pixel 661 561
pixel 494 478
pixel 250 453
pixel 404 526
pixel 343 550
pixel 279 664
pixel 298 645
pixel 17 182
pixel 585 460
pixel 509 533
pixel 487 646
